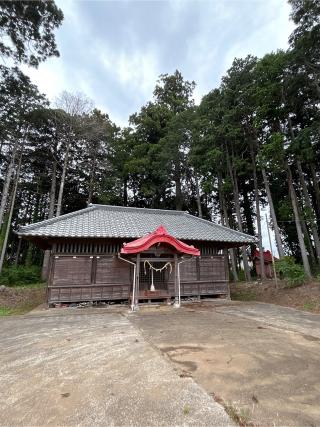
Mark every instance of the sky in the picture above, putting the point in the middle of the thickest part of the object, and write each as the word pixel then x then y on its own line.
pixel 114 51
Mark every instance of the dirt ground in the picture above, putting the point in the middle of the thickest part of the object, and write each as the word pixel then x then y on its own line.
pixel 260 360
pixel 305 297
pixel 20 300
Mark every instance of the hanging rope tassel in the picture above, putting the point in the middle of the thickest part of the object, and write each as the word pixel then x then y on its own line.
pixel 152 268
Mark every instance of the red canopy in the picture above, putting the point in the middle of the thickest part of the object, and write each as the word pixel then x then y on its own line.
pixel 159 236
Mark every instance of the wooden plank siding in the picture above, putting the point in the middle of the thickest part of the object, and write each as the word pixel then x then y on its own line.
pixel 82 272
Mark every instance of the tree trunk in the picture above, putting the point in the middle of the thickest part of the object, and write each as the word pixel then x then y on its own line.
pixel 92 176
pixel 46 257
pixel 13 199
pixel 306 235
pixel 247 211
pixel 238 213
pixel 7 182
pixel 315 186
pixel 273 214
pixel 196 180
pixel 53 190
pixel 16 261
pixel 257 202
pixel 178 193
pixel 308 205
pixel 63 178
pixel 303 250
pixel 125 192
pixel 225 222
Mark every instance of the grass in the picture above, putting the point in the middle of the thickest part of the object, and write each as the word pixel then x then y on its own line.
pixel 186 410
pixel 243 295
pixel 21 299
pixel 36 285
pixel 5 311
pixel 240 416
pixel 22 309
pixel 309 305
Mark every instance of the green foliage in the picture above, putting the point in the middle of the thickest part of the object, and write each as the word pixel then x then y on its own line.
pixel 27 30
pixel 292 272
pixel 21 275
pixel 309 305
pixel 241 276
pixel 174 154
pixel 5 311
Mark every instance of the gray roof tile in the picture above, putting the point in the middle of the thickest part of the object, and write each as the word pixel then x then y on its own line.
pixel 125 222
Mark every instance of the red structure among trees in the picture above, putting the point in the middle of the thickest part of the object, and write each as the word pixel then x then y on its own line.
pixel 267 256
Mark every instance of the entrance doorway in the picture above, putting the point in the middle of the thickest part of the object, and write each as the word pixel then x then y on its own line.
pixel 154 277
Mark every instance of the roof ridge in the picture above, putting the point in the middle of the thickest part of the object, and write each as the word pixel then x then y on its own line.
pixel 134 208
pixel 54 219
pixel 222 226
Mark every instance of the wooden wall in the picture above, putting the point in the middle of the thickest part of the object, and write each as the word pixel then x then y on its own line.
pixel 91 275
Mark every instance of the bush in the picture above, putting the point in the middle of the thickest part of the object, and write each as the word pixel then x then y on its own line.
pixel 292 272
pixel 21 275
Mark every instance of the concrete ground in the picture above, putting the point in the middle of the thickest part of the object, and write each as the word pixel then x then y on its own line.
pixel 161 366
pixel 93 368
pixel 260 359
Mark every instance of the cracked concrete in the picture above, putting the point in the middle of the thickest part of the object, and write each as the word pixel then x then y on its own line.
pixel 261 359
pixel 93 368
pixel 161 366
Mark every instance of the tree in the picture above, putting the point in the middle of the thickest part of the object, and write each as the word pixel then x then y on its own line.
pixel 73 108
pixel 18 99
pixel 27 30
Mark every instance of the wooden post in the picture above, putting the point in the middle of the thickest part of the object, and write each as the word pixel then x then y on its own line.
pixel 226 268
pixel 175 278
pixel 136 302
pixel 198 277
pixel 273 263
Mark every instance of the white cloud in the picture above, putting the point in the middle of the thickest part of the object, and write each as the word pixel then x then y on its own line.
pixel 114 51
pixel 138 70
pixel 50 77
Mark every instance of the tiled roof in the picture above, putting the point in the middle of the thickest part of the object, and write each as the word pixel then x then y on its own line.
pixel 125 222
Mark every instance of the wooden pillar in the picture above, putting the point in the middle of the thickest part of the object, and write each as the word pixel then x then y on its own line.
pixel 198 276
pixel 176 278
pixel 136 302
pixel 51 267
pixel 93 269
pixel 226 267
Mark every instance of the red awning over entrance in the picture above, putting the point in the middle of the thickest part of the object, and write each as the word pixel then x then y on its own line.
pixel 159 236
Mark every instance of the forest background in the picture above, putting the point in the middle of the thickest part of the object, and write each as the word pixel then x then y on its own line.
pixel 252 144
